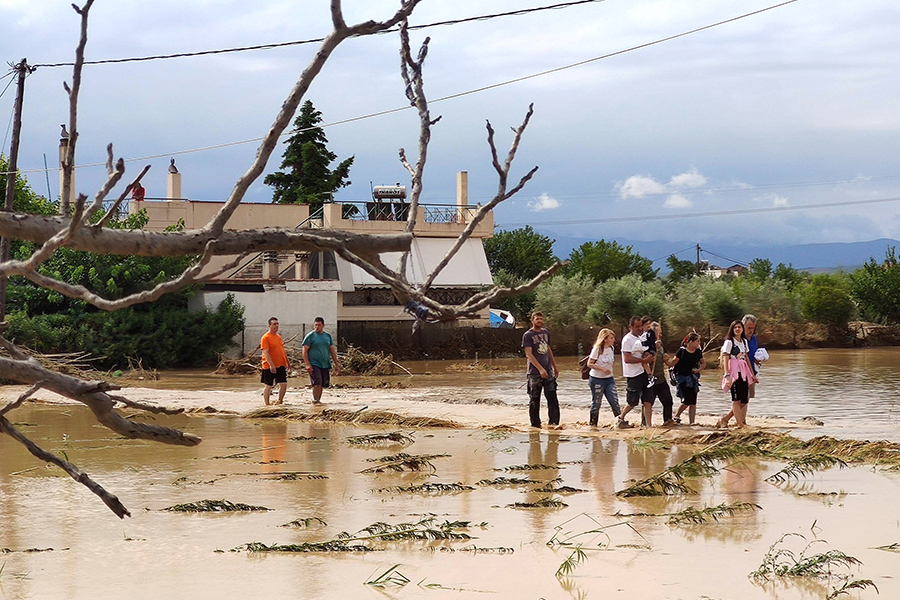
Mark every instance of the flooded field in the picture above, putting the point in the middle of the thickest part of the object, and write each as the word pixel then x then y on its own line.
pixel 312 478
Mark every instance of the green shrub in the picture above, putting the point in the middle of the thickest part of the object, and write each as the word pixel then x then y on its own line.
pixel 827 300
pixel 565 300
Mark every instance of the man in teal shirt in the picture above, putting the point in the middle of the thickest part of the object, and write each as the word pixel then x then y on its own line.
pixel 318 353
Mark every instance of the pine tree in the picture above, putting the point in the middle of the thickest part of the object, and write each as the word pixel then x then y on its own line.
pixel 305 177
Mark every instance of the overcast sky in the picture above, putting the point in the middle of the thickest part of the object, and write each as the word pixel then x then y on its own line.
pixel 793 106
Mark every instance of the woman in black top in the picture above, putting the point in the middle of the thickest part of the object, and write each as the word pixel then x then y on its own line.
pixel 687 364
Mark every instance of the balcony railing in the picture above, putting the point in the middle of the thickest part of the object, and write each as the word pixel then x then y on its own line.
pixel 399 211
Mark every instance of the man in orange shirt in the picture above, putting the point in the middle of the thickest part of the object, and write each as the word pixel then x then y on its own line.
pixel 275 363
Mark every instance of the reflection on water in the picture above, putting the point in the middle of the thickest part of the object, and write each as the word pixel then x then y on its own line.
pixel 160 554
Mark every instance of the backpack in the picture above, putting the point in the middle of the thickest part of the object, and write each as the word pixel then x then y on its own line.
pixel 585 369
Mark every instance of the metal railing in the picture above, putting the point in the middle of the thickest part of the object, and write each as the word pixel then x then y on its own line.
pixel 399 211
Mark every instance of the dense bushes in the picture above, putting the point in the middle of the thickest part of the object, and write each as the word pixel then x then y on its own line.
pixel 162 334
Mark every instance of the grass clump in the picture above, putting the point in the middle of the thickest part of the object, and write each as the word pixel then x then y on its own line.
pixel 536 467
pixel 550 488
pixel 504 481
pixel 327 546
pixel 214 506
pixel 391 577
pixel 694 516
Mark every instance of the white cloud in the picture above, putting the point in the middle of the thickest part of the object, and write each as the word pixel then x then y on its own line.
pixel 543 202
pixel 677 201
pixel 638 186
pixel 778 200
pixel 691 179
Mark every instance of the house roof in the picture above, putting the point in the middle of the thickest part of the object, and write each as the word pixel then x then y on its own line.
pixel 468 268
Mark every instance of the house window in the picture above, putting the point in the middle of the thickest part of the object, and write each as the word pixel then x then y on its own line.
pixel 322 266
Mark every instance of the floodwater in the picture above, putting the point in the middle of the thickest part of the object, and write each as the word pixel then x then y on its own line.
pixel 854 392
pixel 158 554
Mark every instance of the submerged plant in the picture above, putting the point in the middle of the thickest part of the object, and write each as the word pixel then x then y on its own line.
pixel 806 465
pixel 567 567
pixel 549 488
pixel 856 584
pixel 545 502
pixel 702 464
pixel 306 523
pixel 782 562
pixel 381 439
pixel 537 467
pixel 895 547
pixel 403 462
pixel 391 577
pixel 428 488
pixel 327 546
pixel 214 506
pixel 500 481
pixel 694 516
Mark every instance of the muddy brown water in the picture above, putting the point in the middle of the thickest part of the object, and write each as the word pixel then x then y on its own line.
pixel 161 554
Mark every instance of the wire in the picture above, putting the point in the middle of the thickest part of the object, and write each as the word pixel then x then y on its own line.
pixel 519 12
pixel 737 262
pixel 714 213
pixel 7 87
pixel 443 98
pixel 667 255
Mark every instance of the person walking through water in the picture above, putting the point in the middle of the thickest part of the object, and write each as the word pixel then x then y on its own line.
pixel 659 381
pixel 275 363
pixel 633 361
pixel 737 373
pixel 749 323
pixel 318 353
pixel 541 372
pixel 686 365
pixel 601 378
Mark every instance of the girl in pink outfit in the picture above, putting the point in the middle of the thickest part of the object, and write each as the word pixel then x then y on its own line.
pixel 738 374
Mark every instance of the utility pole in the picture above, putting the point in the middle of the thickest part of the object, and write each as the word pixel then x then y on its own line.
pixel 22 69
pixel 698 259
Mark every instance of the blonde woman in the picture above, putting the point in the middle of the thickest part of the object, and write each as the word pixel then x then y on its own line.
pixel 601 379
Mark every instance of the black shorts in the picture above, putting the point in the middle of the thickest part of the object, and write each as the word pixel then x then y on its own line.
pixel 320 376
pixel 740 391
pixel 636 390
pixel 269 378
pixel 688 395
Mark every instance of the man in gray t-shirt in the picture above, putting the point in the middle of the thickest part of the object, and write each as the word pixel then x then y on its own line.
pixel 541 372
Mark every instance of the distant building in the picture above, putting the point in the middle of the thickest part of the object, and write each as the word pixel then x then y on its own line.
pixel 297 287
pixel 715 272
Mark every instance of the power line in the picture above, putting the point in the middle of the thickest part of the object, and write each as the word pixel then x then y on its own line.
pixel 523 11
pixel 667 255
pixel 714 213
pixel 451 96
pixel 737 262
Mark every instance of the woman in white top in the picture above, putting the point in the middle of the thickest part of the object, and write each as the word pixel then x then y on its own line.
pixel 601 377
pixel 738 373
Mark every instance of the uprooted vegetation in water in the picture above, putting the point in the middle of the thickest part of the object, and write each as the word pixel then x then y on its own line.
pixel 699 516
pixel 545 502
pixel 803 458
pixel 427 488
pixel 783 562
pixel 361 416
pixel 305 523
pixel 427 529
pixel 375 440
pixel 534 467
pixel 507 481
pixel 214 506
pixel 403 462
pixel 357 362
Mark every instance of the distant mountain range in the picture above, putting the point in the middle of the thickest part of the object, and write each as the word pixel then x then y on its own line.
pixel 809 257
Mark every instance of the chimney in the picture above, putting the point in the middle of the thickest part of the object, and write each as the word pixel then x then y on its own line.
pixel 462 195
pixel 173 182
pixel 270 264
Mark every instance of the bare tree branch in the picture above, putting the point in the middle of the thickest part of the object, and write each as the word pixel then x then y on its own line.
pixel 18 402
pixel 215 227
pixel 115 207
pixel 411 72
pixel 158 410
pixel 74 472
pixel 502 195
pixel 68 165
pixel 39 229
pixel 485 299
